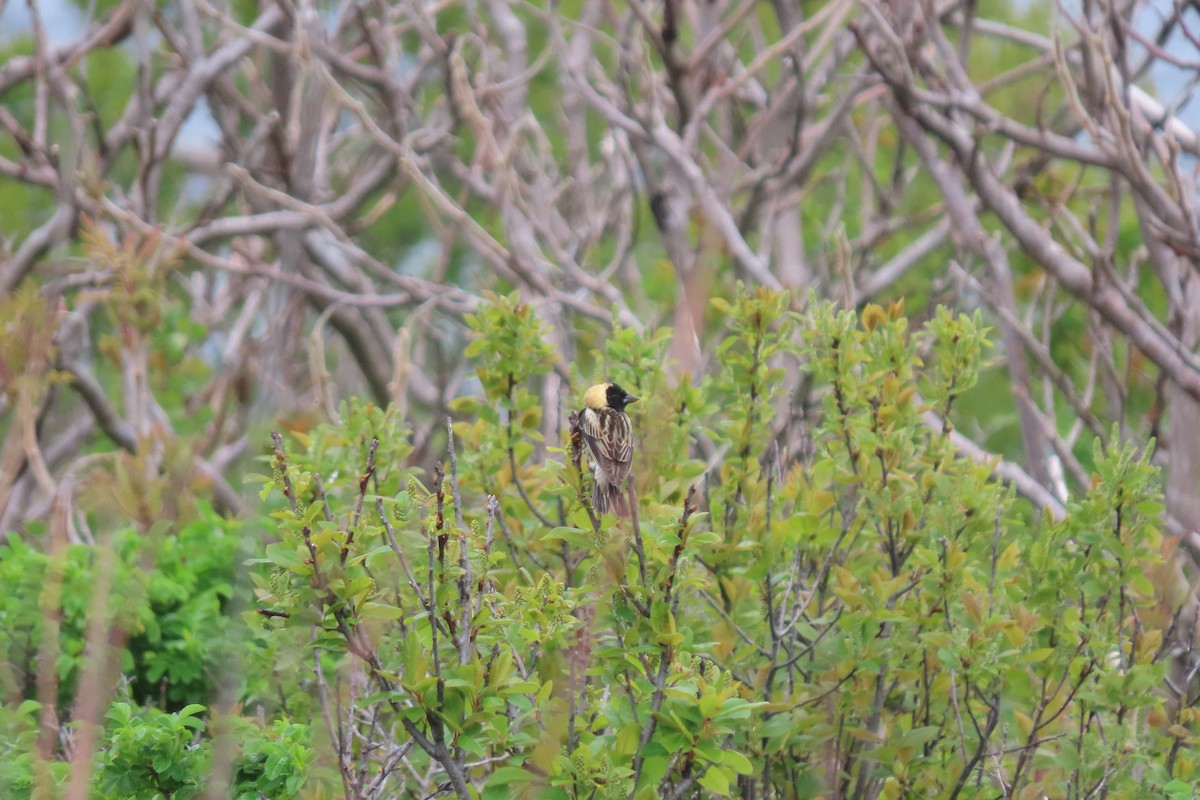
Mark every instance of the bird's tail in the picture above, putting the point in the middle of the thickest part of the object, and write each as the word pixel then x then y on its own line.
pixel 610 498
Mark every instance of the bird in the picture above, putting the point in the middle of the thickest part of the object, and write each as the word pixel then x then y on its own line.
pixel 608 432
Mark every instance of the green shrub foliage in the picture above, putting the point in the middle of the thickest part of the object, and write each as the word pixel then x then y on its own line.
pixel 148 754
pixel 809 602
pixel 168 591
pixel 817 597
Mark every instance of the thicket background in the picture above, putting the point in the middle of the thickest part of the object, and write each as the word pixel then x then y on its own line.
pixel 947 548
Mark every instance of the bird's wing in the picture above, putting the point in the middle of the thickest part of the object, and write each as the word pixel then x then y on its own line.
pixel 609 437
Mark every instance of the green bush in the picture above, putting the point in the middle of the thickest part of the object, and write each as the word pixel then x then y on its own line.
pixel 169 592
pixel 843 607
pixel 817 597
pixel 148 754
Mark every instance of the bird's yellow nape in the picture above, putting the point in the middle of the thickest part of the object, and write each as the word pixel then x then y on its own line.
pixel 597 396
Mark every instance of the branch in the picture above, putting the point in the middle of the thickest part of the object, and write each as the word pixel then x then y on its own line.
pixel 88 388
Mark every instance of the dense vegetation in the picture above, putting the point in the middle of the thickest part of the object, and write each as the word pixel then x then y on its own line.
pixel 873 616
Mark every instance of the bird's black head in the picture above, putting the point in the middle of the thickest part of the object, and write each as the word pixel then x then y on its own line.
pixel 618 398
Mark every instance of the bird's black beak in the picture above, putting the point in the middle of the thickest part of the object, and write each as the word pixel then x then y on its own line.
pixel 630 399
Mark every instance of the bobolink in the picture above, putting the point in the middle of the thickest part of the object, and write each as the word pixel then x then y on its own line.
pixel 609 437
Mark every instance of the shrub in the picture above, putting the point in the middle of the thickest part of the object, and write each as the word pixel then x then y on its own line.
pixel 169 591
pixel 148 754
pixel 817 596
pixel 840 608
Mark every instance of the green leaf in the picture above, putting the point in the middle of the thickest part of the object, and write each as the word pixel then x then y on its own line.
pixel 575 537
pixel 737 762
pixel 917 736
pixel 1041 654
pixel 653 770
pixel 286 556
pixel 716 781
pixel 381 611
